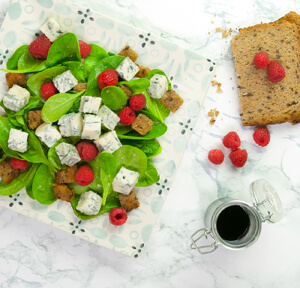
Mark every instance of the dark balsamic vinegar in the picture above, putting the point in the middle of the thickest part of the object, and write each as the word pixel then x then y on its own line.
pixel 233 223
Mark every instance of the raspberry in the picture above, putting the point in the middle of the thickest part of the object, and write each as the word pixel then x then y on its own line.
pixel 216 156
pixel 85 49
pixel 127 116
pixel 261 60
pixel 238 157
pixel 117 216
pixel 261 136
pixel 109 77
pixel 18 164
pixel 48 89
pixel 87 151
pixel 137 102
pixel 232 140
pixel 84 175
pixel 39 47
pixel 275 71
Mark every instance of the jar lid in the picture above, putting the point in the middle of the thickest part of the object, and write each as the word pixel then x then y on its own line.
pixel 266 201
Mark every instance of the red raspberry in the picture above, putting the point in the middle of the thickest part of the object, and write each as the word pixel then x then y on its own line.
pixel 85 49
pixel 261 60
pixel 109 77
pixel 48 89
pixel 127 116
pixel 275 71
pixel 39 47
pixel 84 175
pixel 261 136
pixel 117 216
pixel 137 102
pixel 18 164
pixel 232 140
pixel 216 156
pixel 238 157
pixel 87 151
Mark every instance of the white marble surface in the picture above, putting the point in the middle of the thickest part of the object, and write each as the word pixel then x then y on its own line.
pixel 36 255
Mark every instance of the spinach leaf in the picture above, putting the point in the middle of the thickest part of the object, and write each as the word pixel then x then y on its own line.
pixel 78 70
pixel 20 182
pixel 35 82
pixel 58 105
pixel 137 86
pixel 42 187
pixel 111 62
pixel 29 63
pixel 113 97
pixel 150 176
pixel 97 54
pixel 29 191
pixel 12 62
pixel 122 129
pixel 2 155
pixel 64 48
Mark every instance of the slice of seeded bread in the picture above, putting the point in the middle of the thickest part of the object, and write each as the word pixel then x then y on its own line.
pixel 261 101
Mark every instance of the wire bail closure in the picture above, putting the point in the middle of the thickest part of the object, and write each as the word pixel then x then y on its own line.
pixel 204 232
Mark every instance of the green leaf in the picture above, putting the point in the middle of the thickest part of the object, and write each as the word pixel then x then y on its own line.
pixel 150 176
pixel 29 191
pixel 113 97
pixel 30 64
pixel 64 48
pixel 96 55
pixel 78 70
pixel 58 105
pixel 12 62
pixel 137 86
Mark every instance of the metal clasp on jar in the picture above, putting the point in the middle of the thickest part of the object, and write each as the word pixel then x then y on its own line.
pixel 205 249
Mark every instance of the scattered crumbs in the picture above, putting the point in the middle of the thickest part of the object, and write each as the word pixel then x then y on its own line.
pixel 230 78
pixel 213 114
pixel 232 88
pixel 215 76
pixel 216 83
pixel 225 33
pixel 212 22
pixel 208 33
pixel 215 15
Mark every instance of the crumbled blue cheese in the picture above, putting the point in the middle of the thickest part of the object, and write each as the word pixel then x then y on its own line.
pixel 125 180
pixel 91 127
pixel 65 81
pixel 17 140
pixel 158 86
pixel 67 154
pixel 108 142
pixel 109 118
pixel 48 134
pixel 52 29
pixel 16 98
pixel 70 124
pixel 127 69
pixel 89 203
pixel 89 104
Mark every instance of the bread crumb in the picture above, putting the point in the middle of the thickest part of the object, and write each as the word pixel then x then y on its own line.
pixel 216 83
pixel 225 33
pixel 213 114
pixel 208 33
pixel 212 22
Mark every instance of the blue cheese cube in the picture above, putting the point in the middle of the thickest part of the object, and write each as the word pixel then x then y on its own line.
pixel 125 180
pixel 48 134
pixel 108 142
pixel 16 98
pixel 158 86
pixel 52 29
pixel 67 154
pixel 17 140
pixel 109 118
pixel 91 127
pixel 70 124
pixel 127 69
pixel 89 104
pixel 65 81
pixel 89 203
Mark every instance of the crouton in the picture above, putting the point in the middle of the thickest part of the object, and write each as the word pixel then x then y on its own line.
pixel 130 201
pixel 66 175
pixel 34 119
pixel 171 100
pixel 80 86
pixel 7 172
pixel 142 124
pixel 126 90
pixel 15 78
pixel 143 72
pixel 63 192
pixel 128 52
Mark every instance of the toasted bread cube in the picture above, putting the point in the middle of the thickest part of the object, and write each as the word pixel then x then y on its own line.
pixel 171 100
pixel 34 119
pixel 126 90
pixel 80 86
pixel 7 172
pixel 66 175
pixel 15 78
pixel 128 52
pixel 63 192
pixel 143 72
pixel 142 124
pixel 129 202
